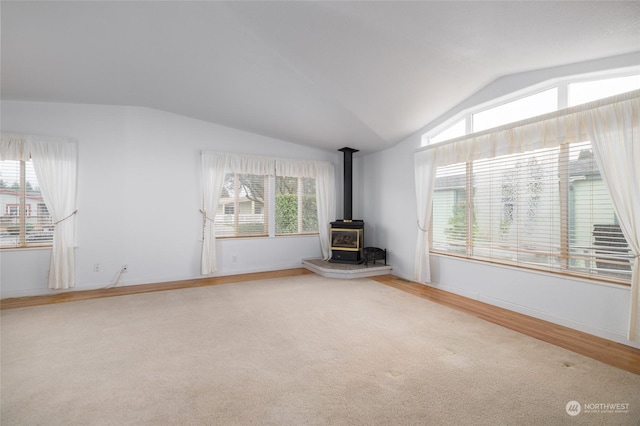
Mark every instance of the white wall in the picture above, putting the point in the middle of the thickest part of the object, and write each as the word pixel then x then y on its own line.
pixel 139 195
pixel 386 192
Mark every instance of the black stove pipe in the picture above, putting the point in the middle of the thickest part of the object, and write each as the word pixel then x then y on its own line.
pixel 348 182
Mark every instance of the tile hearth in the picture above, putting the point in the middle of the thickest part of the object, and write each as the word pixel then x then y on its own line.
pixel 345 270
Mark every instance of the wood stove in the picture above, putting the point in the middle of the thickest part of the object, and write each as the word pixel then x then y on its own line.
pixel 347 235
pixel 347 241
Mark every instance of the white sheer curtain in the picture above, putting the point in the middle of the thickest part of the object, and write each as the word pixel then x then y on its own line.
pixel 296 168
pixel 55 164
pixel 326 203
pixel 254 165
pixel 425 174
pixel 615 137
pixel 324 174
pixel 214 167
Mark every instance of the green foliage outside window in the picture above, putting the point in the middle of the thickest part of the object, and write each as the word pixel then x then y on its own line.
pixel 457 229
pixel 287 214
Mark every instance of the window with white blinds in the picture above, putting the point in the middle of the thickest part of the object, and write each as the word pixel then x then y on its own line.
pixel 25 220
pixel 544 209
pixel 243 210
pixel 296 211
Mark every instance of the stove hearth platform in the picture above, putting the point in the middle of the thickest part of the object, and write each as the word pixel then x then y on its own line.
pixel 344 270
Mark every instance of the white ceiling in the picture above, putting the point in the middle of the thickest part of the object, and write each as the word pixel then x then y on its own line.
pixel 323 74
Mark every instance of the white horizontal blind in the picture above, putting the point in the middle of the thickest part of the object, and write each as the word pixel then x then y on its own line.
pixel 516 208
pixel 544 209
pixel 243 209
pixel 449 218
pixel 25 220
pixel 296 211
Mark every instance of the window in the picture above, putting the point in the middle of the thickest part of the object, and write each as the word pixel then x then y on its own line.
pixel 520 109
pixel 545 208
pixel 587 91
pixel 26 222
pixel 243 208
pixel 13 209
pixel 296 211
pixel 455 130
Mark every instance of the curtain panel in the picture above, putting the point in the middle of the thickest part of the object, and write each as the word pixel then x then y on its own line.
pixel 214 167
pixel 615 137
pixel 613 127
pixel 55 164
pixel 425 176
pixel 213 171
pixel 326 204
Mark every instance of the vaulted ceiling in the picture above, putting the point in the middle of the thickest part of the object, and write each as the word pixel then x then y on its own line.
pixel 322 74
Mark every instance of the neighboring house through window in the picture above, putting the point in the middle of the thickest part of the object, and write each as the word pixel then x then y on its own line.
pixel 26 220
pixel 241 211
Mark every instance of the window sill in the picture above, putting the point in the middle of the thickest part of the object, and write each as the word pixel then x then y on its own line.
pixel 30 248
pixel 249 237
pixel 569 276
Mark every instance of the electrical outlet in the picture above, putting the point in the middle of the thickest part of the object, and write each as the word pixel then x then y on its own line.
pixel 234 258
pixel 125 269
pixel 96 267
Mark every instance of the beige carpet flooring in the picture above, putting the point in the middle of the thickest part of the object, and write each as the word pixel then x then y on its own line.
pixel 300 350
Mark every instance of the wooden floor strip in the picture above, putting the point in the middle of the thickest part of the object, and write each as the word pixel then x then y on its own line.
pixel 606 351
pixel 74 296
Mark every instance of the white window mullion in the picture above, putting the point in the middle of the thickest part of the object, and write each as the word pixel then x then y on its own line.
pixel 22 210
pixel 469 208
pixel 272 206
pixel 300 203
pixel 563 168
pixel 563 95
